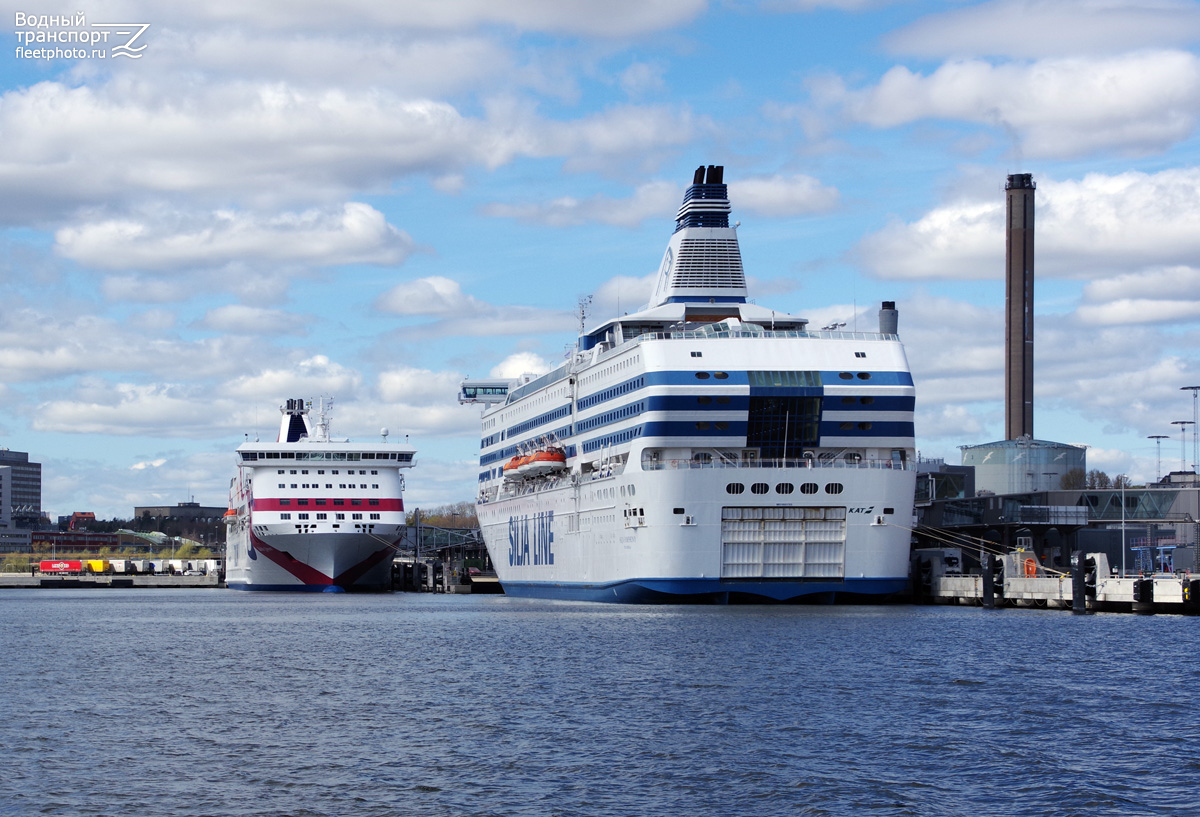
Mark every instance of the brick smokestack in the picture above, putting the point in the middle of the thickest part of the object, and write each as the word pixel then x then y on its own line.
pixel 1018 301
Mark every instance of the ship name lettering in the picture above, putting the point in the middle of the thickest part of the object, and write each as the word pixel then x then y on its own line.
pixel 531 539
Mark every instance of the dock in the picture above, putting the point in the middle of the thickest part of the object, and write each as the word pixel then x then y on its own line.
pixel 1019 580
pixel 101 580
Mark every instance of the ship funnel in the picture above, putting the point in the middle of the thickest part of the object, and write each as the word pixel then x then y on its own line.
pixel 889 319
pixel 703 262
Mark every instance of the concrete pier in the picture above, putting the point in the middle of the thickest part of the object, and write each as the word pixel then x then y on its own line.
pixel 108 580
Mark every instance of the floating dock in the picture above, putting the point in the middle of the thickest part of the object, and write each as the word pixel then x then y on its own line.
pixel 1018 580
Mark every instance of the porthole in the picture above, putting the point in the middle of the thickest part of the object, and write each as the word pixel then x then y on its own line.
pixel 736 488
pixel 845 375
pixel 721 375
pixel 702 375
pixel 809 488
pixel 846 426
pixel 759 488
pixel 704 401
pixel 864 426
pixel 847 401
pixel 864 375
pixel 833 488
pixel 866 401
pixel 721 425
pixel 723 400
pixel 702 426
pixel 784 488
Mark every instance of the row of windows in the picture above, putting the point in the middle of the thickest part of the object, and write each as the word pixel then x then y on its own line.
pixel 608 394
pixel 322 471
pixel 321 502
pixel 783 488
pixel 324 516
pixel 611 416
pixel 548 417
pixel 339 456
pixel 342 485
pixel 612 439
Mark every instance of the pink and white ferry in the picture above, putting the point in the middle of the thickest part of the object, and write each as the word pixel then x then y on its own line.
pixel 310 512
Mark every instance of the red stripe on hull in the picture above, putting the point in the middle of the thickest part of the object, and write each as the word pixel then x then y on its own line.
pixel 270 504
pixel 309 575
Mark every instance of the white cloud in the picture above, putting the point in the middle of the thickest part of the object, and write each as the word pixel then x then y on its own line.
pixel 141 466
pixel 463 314
pixel 1036 28
pixel 615 18
pixel 643 78
pixel 650 200
pixel 782 196
pixel 1136 103
pixel 314 375
pixel 1089 228
pixel 355 233
pixel 251 320
pixel 519 364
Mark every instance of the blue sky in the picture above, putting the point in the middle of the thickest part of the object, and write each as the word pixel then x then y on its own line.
pixel 373 200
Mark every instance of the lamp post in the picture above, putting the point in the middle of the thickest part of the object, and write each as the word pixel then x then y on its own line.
pixel 1183 424
pixel 1195 390
pixel 1123 480
pixel 1158 438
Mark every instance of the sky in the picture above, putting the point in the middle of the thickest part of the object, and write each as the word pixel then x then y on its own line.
pixel 251 201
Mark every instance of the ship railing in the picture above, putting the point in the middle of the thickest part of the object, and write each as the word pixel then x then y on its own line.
pixel 688 465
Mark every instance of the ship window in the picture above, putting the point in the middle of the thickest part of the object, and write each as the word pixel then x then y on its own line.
pixel 846 426
pixel 374 516
pixel 845 375
pixel 339 516
pixel 281 470
pixel 809 488
pixel 678 510
pixel 301 501
pixel 702 426
pixel 321 516
pixel 282 485
pixel 697 354
pixel 723 399
pixel 853 457
pixel 759 488
pixel 356 516
pixel 702 375
pixel 304 471
pixel 784 488
pixel 293 471
pixel 293 485
pixel 833 488
pixel 847 400
pixel 321 501
pixel 372 501
pixel 285 516
pixel 721 375
pixel 339 502
pixel 321 471
pixel 864 426
pixel 860 354
pixel 864 375
pixel 302 516
pixel 889 511
pixel 285 502
pixel 721 426
pixel 356 502
pixel 735 488
pixel 704 401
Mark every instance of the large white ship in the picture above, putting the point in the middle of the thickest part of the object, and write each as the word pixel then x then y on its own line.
pixel 310 512
pixel 703 448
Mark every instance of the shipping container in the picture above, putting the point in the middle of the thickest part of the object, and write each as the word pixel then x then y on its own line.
pixel 61 566
pixel 96 565
pixel 120 565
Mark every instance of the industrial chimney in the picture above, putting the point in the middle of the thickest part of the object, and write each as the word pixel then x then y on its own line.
pixel 1018 327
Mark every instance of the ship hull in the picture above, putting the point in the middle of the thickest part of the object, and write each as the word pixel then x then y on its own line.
pixel 681 536
pixel 314 562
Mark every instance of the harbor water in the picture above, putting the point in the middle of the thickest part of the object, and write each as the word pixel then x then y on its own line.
pixel 210 702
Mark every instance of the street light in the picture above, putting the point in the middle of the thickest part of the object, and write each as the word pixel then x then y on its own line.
pixel 1158 438
pixel 1183 424
pixel 1123 480
pixel 1195 390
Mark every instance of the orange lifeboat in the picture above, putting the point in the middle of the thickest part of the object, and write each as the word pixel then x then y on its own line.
pixel 547 461
pixel 513 466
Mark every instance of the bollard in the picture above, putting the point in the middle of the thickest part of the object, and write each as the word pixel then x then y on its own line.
pixel 989 582
pixel 1078 583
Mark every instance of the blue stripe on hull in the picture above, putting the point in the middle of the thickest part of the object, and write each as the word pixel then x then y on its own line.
pixel 710 591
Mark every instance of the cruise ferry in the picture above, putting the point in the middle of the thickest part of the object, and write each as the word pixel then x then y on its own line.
pixel 703 448
pixel 311 512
